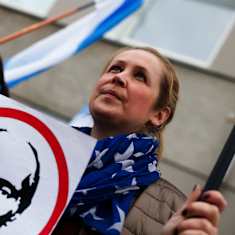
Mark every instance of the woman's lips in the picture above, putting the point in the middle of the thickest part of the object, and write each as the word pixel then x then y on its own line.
pixel 112 93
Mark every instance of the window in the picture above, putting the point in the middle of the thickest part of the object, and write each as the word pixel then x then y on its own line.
pixel 37 8
pixel 189 31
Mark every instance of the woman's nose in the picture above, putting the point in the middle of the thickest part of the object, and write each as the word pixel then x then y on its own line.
pixel 119 80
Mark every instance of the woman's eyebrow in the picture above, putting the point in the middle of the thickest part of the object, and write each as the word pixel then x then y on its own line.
pixel 118 62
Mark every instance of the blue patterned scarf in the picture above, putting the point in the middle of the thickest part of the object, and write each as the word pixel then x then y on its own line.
pixel 120 168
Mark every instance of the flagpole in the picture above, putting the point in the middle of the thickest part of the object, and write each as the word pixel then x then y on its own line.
pixel 43 23
pixel 3 88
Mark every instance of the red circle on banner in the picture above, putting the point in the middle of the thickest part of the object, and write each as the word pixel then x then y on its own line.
pixel 51 139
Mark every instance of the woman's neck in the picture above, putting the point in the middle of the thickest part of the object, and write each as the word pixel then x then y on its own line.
pixel 99 132
pixel 105 128
pixel 102 130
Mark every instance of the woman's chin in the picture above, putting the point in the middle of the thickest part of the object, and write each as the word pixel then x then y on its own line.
pixel 106 114
pixel 106 109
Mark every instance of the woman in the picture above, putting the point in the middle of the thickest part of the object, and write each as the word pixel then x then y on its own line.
pixel 121 191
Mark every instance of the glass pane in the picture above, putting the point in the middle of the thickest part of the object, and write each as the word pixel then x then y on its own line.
pixel 38 8
pixel 188 28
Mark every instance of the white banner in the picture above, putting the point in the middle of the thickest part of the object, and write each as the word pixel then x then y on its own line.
pixel 41 163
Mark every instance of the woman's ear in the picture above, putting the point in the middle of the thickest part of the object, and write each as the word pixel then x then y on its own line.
pixel 159 117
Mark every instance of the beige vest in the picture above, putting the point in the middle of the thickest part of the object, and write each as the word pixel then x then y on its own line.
pixel 153 209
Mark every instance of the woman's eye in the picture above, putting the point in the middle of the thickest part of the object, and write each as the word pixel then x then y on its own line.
pixel 141 76
pixel 115 69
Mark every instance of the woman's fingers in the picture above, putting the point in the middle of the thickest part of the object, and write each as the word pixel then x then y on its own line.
pixel 197 224
pixel 197 217
pixel 212 204
pixel 193 232
pixel 203 210
pixel 215 198
pixel 202 217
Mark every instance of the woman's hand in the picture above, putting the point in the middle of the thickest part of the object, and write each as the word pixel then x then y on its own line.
pixel 197 217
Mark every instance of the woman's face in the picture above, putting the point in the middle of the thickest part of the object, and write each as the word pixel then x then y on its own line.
pixel 127 91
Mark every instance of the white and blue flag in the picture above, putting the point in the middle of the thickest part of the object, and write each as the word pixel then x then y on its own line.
pixel 67 42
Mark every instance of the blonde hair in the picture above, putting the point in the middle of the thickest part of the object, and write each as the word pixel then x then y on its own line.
pixel 169 91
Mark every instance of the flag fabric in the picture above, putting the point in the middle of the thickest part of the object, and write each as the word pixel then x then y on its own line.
pixel 67 42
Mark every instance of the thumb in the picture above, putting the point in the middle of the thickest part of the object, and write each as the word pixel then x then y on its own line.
pixel 177 218
pixel 192 197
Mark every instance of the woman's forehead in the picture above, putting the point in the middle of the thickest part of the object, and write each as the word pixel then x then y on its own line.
pixel 140 58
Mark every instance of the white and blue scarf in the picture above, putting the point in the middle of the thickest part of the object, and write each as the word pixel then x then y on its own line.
pixel 120 168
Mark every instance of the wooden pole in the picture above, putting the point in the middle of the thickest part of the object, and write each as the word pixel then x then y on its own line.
pixel 43 23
